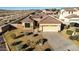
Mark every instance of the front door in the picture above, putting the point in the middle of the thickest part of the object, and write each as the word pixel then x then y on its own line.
pixel 36 24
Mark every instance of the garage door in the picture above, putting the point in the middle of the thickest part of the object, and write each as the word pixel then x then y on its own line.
pixel 51 28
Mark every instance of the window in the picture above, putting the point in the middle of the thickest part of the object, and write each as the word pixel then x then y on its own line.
pixel 27 24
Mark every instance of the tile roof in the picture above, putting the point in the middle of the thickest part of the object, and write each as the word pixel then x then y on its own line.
pixel 38 17
pixel 70 9
pixel 72 16
pixel 50 20
pixel 28 19
pixel 44 20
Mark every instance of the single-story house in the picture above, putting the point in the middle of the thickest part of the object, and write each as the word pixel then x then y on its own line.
pixel 45 24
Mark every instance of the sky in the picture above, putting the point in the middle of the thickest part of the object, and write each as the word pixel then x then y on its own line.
pixel 41 3
pixel 26 8
pixel 36 4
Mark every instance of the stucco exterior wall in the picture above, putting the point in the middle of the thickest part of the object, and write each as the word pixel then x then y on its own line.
pixel 30 28
pixel 0 29
pixel 63 14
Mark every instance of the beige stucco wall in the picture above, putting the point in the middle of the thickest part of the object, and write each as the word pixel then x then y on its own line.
pixel 0 29
pixel 31 26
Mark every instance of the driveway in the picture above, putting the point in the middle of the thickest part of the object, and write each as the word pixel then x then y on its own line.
pixel 58 43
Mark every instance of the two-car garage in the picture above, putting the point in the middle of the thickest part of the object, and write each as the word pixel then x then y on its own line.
pixel 51 28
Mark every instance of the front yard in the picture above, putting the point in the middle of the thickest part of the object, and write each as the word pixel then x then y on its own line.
pixel 20 40
pixel 69 34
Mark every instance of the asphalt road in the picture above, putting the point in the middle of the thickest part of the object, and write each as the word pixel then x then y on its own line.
pixel 58 43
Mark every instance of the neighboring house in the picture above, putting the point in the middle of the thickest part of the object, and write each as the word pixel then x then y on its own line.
pixel 50 12
pixel 68 15
pixel 72 19
pixel 42 23
pixel 6 28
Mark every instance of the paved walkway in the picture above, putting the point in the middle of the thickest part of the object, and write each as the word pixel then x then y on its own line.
pixel 59 43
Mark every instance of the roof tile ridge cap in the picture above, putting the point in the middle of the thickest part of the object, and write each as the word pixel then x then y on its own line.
pixel 45 17
pixel 55 18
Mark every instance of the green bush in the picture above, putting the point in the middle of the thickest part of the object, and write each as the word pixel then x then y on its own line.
pixel 69 32
pixel 77 29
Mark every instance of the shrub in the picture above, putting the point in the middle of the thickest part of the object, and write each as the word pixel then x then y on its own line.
pixel 47 49
pixel 44 40
pixel 69 32
pixel 35 35
pixel 16 43
pixel 13 36
pixel 40 41
pixel 23 46
pixel 29 49
pixel 30 33
pixel 77 29
pixel 74 37
pixel 21 35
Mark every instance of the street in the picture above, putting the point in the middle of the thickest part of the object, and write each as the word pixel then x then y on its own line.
pixel 58 43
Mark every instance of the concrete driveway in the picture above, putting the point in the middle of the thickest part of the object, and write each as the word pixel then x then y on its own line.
pixel 58 43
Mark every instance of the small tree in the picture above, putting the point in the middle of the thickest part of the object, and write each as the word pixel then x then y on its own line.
pixel 13 35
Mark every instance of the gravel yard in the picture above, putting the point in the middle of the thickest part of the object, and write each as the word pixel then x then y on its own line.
pixel 34 42
pixel 2 44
